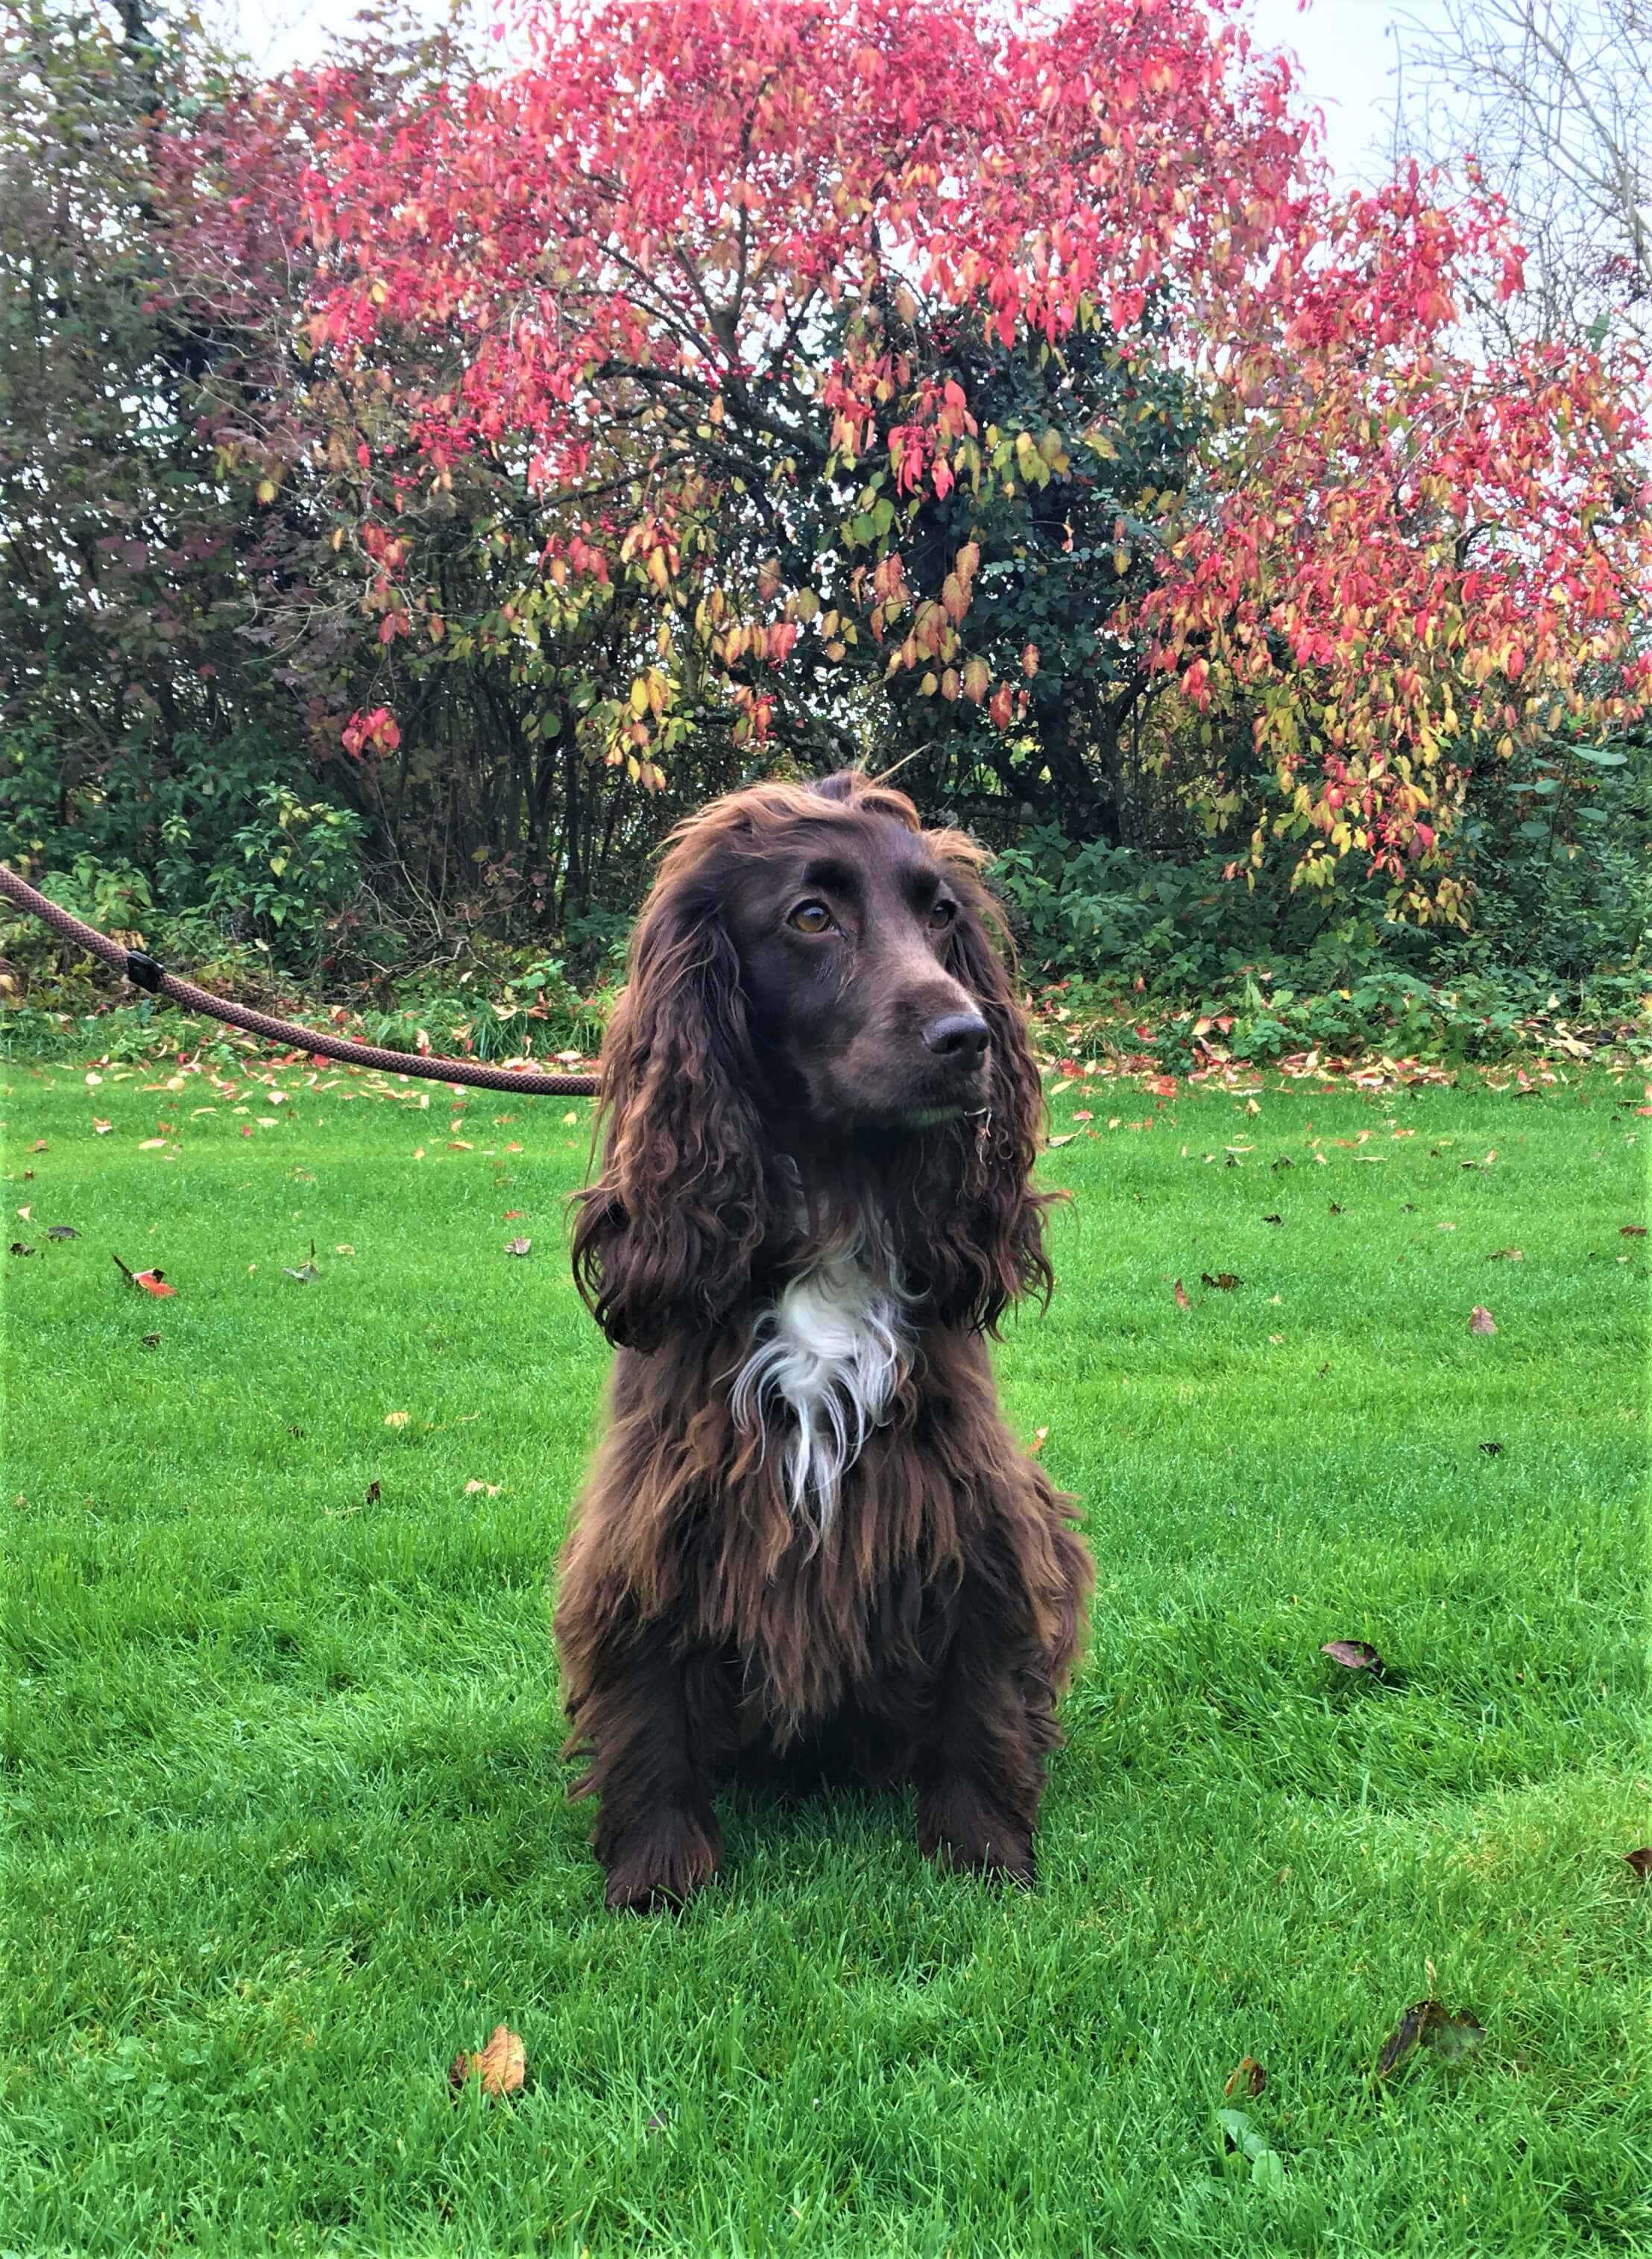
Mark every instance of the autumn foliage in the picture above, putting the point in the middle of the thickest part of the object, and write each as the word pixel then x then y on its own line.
pixel 725 279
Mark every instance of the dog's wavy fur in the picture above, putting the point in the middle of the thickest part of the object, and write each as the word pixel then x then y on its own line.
pixel 709 1627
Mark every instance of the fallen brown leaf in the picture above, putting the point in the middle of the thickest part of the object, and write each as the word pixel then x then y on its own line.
pixel 518 1246
pixel 1507 1255
pixel 1224 1281
pixel 1182 1303
pixel 501 2066
pixel 1481 1320
pixel 1632 1231
pixel 1426 2024
pixel 1353 1654
pixel 1041 1436
pixel 1640 1863
pixel 1251 2074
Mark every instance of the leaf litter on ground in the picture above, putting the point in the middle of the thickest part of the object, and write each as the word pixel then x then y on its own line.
pixel 1354 1654
pixel 1454 2038
pixel 500 2068
pixel 148 1282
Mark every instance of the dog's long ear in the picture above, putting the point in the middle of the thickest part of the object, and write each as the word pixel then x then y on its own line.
pixel 667 1234
pixel 995 1243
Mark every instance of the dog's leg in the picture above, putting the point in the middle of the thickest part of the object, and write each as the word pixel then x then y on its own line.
pixel 980 1769
pixel 656 1834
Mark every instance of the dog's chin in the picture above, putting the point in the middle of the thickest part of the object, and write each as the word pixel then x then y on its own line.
pixel 929 1110
pixel 897 1113
pixel 925 1117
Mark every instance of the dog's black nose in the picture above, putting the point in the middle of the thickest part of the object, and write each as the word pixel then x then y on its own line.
pixel 958 1038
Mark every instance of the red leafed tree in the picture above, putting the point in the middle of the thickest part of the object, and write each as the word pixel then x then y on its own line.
pixel 696 264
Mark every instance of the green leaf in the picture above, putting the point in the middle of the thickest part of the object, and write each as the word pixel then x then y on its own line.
pixel 1602 756
pixel 1267 2170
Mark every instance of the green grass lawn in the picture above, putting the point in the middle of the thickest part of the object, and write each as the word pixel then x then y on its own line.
pixel 289 1828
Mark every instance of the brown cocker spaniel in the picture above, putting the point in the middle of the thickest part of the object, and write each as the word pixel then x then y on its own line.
pixel 809 1543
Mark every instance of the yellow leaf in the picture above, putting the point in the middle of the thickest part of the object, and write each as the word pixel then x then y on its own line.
pixel 501 2066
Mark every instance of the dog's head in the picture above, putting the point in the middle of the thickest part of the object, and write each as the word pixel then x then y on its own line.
pixel 812 967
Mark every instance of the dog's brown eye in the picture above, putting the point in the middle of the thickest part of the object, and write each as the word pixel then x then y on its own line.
pixel 942 914
pixel 810 917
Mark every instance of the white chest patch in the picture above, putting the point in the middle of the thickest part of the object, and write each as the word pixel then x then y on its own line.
pixel 825 1362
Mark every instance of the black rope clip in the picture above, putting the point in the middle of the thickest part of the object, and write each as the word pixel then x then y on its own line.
pixel 143 971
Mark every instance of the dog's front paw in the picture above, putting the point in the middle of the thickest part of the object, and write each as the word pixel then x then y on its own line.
pixel 961 1829
pixel 662 1863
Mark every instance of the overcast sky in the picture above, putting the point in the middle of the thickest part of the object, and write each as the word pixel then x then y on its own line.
pixel 1349 50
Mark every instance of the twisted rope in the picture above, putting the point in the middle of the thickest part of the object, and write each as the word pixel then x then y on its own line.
pixel 145 974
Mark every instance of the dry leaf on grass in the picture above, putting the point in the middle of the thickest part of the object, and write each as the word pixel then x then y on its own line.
pixel 1182 1303
pixel 151 1282
pixel 1041 1436
pixel 1224 1281
pixel 397 1418
pixel 1426 2024
pixel 518 1246
pixel 1250 2075
pixel 1640 1863
pixel 1353 1654
pixel 501 2066
pixel 1507 1255
pixel 1481 1320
